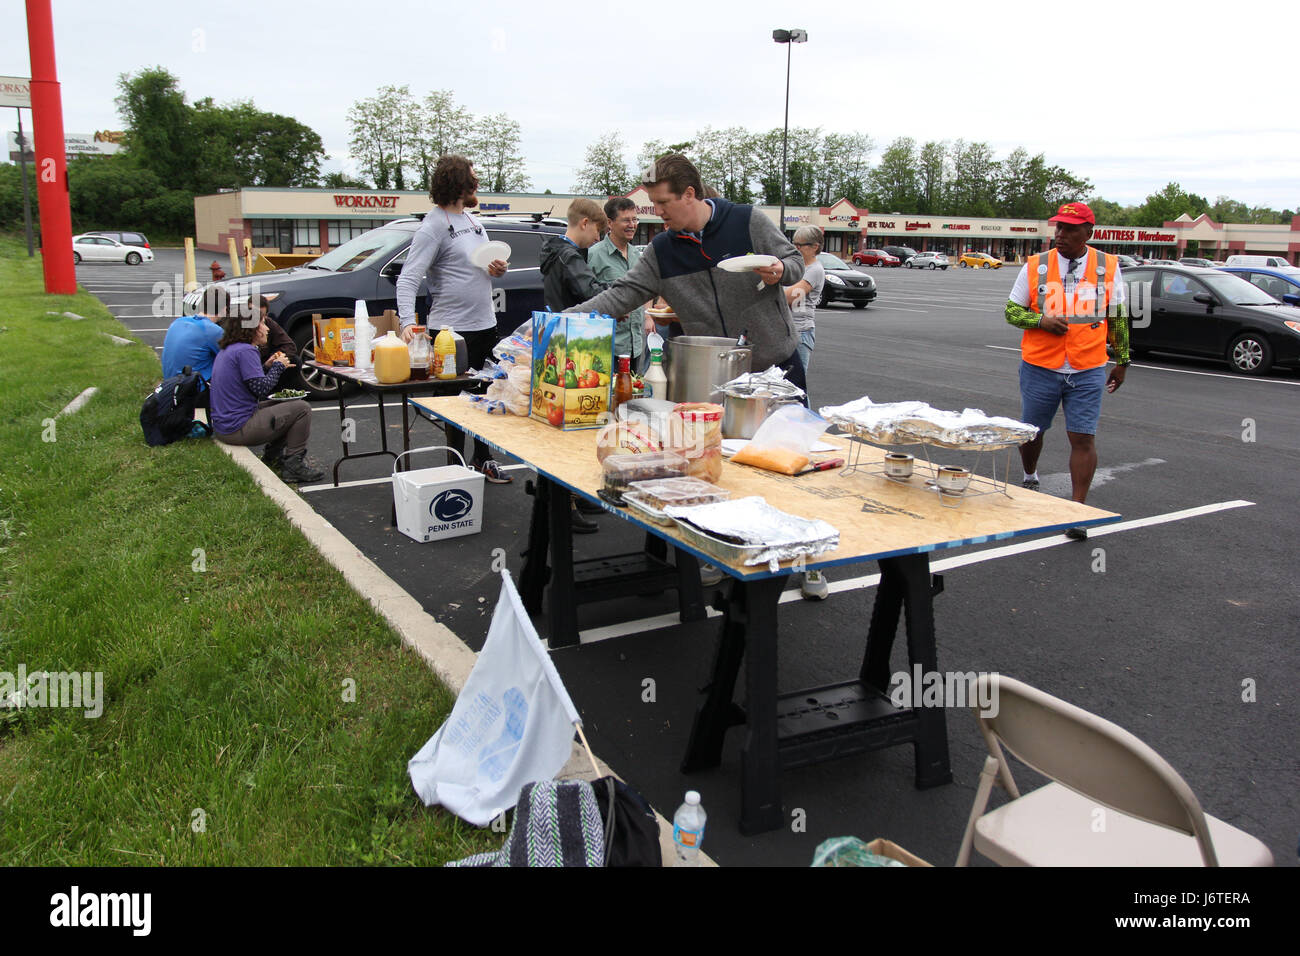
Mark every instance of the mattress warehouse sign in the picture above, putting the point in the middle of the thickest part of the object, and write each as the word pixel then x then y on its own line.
pixel 1148 236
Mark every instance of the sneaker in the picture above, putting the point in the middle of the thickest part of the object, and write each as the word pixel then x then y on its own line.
pixel 1078 534
pixel 579 523
pixel 493 473
pixel 1031 484
pixel 710 575
pixel 814 587
pixel 300 470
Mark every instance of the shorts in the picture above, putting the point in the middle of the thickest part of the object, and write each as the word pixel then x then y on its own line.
pixel 1042 391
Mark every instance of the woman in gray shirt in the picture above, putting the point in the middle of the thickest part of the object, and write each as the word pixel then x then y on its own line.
pixel 804 295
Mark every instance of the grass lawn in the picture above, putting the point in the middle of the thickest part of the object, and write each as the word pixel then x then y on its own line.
pixel 225 736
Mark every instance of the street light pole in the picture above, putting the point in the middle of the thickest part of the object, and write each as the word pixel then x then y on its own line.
pixel 787 37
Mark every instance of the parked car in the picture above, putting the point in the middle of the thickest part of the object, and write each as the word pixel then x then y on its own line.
pixel 979 260
pixel 1211 313
pixel 1196 262
pixel 126 238
pixel 97 248
pixel 1162 262
pixel 844 283
pixel 1267 262
pixel 875 257
pixel 367 267
pixel 1281 284
pixel 901 253
pixel 1128 262
pixel 928 260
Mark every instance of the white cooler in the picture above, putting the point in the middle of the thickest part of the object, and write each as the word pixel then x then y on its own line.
pixel 437 503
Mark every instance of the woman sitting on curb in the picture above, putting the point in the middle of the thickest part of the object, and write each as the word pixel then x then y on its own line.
pixel 241 413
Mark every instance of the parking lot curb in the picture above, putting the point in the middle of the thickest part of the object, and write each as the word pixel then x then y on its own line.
pixel 439 647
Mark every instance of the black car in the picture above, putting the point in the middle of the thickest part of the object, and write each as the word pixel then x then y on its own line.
pixel 367 267
pixel 902 253
pixel 844 283
pixel 1211 313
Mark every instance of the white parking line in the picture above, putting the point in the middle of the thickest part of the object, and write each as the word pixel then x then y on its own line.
pixel 1183 371
pixel 596 634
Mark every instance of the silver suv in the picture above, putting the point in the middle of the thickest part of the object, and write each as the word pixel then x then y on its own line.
pixel 927 260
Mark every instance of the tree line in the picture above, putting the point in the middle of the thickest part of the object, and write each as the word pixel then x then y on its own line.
pixel 175 151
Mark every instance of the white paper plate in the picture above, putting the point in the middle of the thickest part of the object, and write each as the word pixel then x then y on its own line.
pixel 487 253
pixel 732 445
pixel 748 263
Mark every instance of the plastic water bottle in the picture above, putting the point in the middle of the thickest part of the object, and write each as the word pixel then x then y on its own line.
pixel 688 830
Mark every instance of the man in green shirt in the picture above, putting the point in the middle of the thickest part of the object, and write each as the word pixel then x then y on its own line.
pixel 612 258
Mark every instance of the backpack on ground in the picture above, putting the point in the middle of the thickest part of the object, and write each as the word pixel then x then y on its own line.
pixel 168 412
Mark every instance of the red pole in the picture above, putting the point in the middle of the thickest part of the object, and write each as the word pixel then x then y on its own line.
pixel 51 153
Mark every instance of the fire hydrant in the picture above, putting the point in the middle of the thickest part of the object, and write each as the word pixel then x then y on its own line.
pixel 217 272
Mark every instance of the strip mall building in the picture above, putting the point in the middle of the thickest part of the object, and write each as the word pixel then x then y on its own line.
pixel 312 221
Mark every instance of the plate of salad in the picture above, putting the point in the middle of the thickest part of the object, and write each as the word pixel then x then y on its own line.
pixel 287 395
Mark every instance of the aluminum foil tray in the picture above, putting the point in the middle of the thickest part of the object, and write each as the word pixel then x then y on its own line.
pixel 749 531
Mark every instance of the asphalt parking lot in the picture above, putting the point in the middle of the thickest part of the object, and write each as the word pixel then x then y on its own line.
pixel 1179 623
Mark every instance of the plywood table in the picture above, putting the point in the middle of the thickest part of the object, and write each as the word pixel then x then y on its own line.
pixel 898 525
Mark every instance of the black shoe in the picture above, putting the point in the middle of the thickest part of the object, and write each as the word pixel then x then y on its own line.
pixel 1031 484
pixel 300 470
pixel 581 525
pixel 1078 534
pixel 273 454
pixel 587 507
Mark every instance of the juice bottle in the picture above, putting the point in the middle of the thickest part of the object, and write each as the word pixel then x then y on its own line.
pixel 421 354
pixel 444 354
pixel 623 382
pixel 392 360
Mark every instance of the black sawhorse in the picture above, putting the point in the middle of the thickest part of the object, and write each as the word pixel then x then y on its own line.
pixel 826 722
pixel 572 583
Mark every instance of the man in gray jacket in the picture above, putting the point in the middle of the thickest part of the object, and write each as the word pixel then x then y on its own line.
pixel 680 266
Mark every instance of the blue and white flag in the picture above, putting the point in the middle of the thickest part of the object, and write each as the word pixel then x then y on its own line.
pixel 512 723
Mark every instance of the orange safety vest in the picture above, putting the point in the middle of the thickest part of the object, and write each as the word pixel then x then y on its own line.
pixel 1085 307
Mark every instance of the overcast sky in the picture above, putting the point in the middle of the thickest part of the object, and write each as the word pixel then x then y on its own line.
pixel 1129 95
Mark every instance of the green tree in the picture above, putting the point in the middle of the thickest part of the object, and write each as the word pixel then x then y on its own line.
pixel 159 125
pixel 725 159
pixel 931 177
pixel 1110 213
pixel 895 182
pixel 844 168
pixel 973 190
pixel 605 171
pixel 342 180
pixel 11 196
pixel 495 151
pixel 1168 204
pixel 382 135
pixel 443 128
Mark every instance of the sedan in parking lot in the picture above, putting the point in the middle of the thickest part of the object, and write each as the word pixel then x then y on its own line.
pixel 1213 314
pixel 875 257
pixel 979 260
pixel 94 248
pixel 1282 283
pixel 844 283
pixel 928 260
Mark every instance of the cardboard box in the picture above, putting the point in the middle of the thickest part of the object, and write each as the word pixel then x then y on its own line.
pixel 434 504
pixel 570 349
pixel 335 338
pixel 882 847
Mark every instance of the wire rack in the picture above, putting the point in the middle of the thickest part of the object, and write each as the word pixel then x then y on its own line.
pixel 984 479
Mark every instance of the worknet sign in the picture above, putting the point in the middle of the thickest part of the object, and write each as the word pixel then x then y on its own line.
pixel 16 91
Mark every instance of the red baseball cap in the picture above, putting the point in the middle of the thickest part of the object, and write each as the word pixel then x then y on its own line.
pixel 1074 213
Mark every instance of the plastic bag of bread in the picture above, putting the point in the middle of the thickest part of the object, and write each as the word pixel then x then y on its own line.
pixel 627 438
pixel 513 390
pixel 783 443
pixel 695 433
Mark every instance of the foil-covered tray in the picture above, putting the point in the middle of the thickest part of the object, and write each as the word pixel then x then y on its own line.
pixel 911 423
pixel 750 531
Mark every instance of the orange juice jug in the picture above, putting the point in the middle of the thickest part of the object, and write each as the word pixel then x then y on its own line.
pixel 444 354
pixel 392 360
